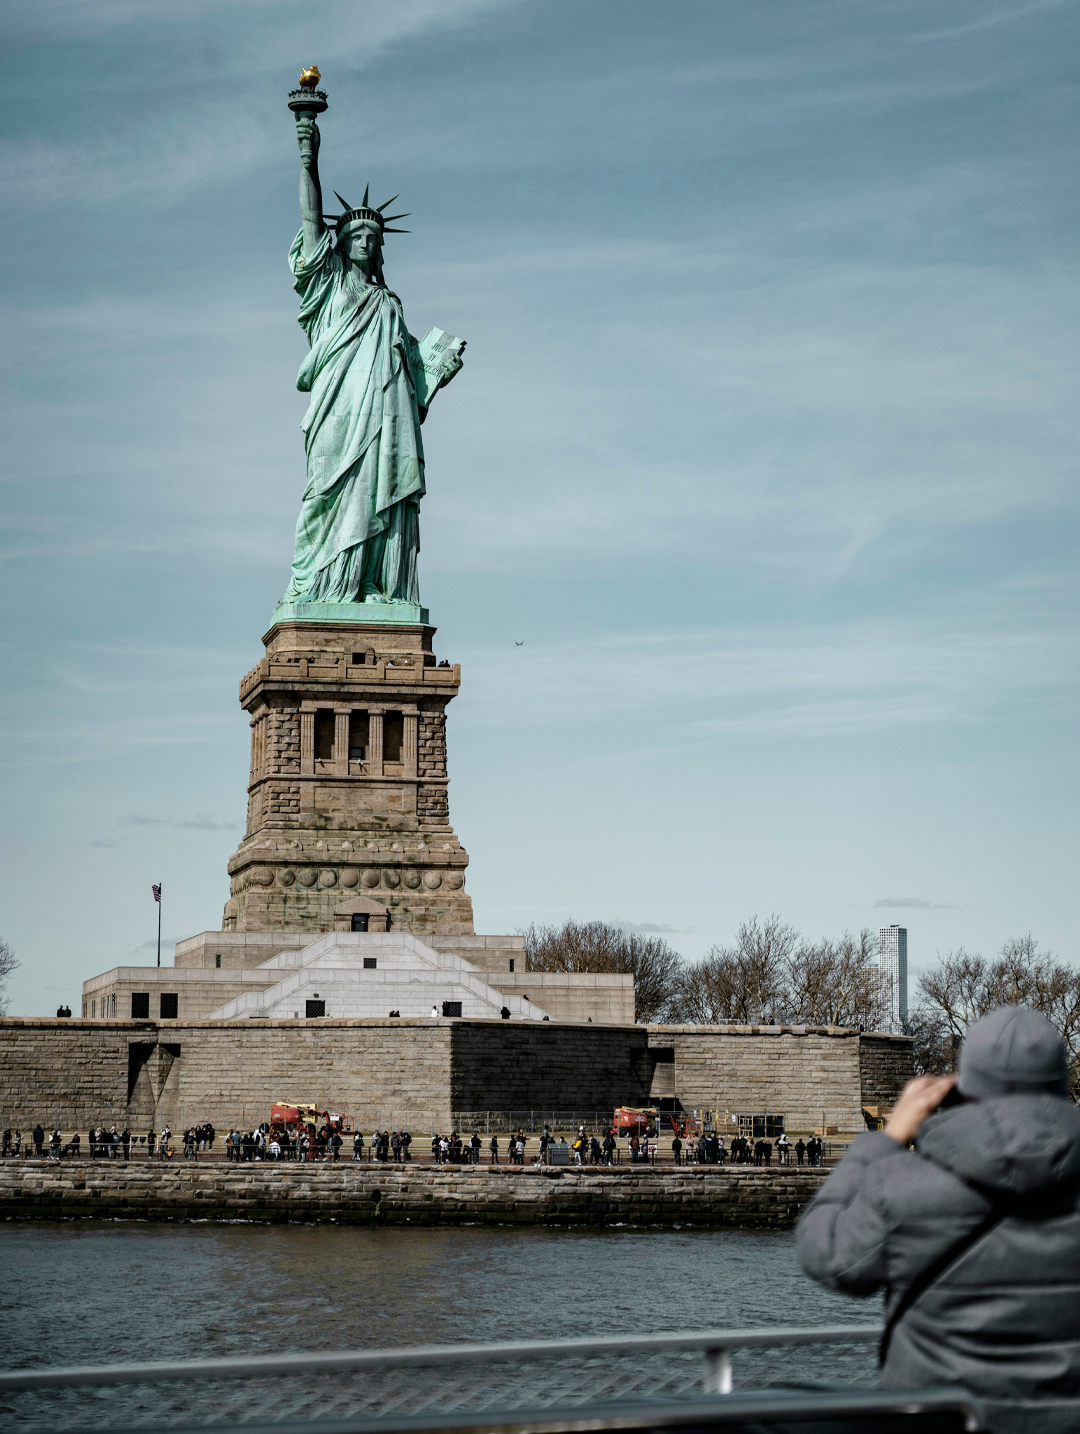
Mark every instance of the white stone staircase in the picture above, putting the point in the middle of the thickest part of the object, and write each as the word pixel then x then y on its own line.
pixel 408 977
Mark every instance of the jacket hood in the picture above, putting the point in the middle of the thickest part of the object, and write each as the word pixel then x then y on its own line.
pixel 1015 1144
pixel 1012 1049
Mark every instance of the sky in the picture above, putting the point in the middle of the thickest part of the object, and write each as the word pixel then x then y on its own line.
pixel 764 451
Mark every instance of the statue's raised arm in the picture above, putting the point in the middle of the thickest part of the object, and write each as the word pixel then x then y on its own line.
pixel 307 133
pixel 307 136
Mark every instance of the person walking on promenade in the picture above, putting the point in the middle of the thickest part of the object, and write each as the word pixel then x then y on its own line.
pixel 783 1149
pixel 39 1139
pixel 609 1149
pixel 151 1141
pixel 163 1141
pixel 474 1147
pixel 358 1146
pixel 974 1234
pixel 56 1140
pixel 595 1153
pixel 676 1150
pixel 800 1150
pixel 768 1152
pixel 406 1141
pixel 493 1146
pixel 125 1142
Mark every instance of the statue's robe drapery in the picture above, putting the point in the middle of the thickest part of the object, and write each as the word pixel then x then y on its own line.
pixel 358 533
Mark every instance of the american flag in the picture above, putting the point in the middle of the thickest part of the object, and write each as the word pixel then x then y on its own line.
pixel 156 889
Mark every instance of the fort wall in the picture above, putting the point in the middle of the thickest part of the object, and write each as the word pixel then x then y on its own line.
pixel 418 1072
pixel 386 1195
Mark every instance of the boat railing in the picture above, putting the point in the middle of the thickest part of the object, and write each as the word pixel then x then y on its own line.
pixel 425 1386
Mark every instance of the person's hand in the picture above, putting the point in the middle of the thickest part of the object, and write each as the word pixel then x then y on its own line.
pixel 919 1098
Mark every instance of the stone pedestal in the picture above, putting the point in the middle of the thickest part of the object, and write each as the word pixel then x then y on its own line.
pixel 347 804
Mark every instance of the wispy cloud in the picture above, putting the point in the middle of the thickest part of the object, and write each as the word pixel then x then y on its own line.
pixel 197 823
pixel 914 903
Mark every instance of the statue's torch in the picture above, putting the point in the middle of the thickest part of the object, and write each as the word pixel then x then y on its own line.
pixel 308 101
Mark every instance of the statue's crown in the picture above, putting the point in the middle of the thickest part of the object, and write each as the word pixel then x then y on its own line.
pixel 365 214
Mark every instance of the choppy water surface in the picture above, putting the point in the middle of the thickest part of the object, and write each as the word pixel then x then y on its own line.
pixel 90 1294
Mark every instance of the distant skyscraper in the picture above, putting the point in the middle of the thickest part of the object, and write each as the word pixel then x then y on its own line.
pixel 892 965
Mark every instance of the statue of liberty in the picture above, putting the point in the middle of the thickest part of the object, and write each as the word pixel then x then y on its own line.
pixel 358 534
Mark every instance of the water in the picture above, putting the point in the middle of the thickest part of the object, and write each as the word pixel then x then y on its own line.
pixel 117 1292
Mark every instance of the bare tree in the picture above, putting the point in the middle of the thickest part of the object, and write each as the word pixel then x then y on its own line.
pixel 745 984
pixel 8 963
pixel 837 983
pixel 597 946
pixel 965 986
pixel 711 991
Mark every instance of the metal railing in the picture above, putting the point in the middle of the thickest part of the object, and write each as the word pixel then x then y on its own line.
pixel 433 1380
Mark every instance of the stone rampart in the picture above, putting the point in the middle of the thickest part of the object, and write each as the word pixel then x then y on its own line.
pixel 885 1064
pixel 364 1194
pixel 416 1072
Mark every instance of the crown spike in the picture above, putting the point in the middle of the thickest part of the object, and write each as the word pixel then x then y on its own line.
pixel 343 202
pixel 364 201
pixel 397 231
pixel 381 207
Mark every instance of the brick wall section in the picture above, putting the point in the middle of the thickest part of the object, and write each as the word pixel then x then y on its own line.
pixel 228 1072
pixel 371 1195
pixel 431 743
pixel 885 1064
pixel 543 1065
pixel 791 1071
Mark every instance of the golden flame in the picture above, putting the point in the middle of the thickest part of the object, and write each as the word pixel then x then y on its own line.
pixel 310 77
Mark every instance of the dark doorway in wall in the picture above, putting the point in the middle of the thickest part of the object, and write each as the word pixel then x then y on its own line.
pixel 315 1008
pixel 370 963
pixel 359 921
pixel 393 736
pixel 358 736
pixel 451 1008
pixel 324 736
pixel 170 1002
pixel 140 1006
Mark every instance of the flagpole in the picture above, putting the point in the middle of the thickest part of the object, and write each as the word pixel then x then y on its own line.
pixel 159 925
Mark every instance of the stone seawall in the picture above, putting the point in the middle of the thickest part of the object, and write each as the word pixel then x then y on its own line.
pixel 370 1195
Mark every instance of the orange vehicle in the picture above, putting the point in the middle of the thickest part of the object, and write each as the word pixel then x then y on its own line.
pixel 285 1117
pixel 629 1119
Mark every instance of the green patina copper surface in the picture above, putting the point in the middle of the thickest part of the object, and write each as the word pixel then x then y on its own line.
pixel 358 534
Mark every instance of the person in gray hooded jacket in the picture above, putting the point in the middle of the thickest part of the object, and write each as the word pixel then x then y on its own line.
pixel 974 1234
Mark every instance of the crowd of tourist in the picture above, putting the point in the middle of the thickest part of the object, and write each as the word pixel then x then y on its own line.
pixel 709 1149
pixel 327 1142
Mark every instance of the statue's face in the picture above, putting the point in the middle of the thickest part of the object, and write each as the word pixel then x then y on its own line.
pixel 360 246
